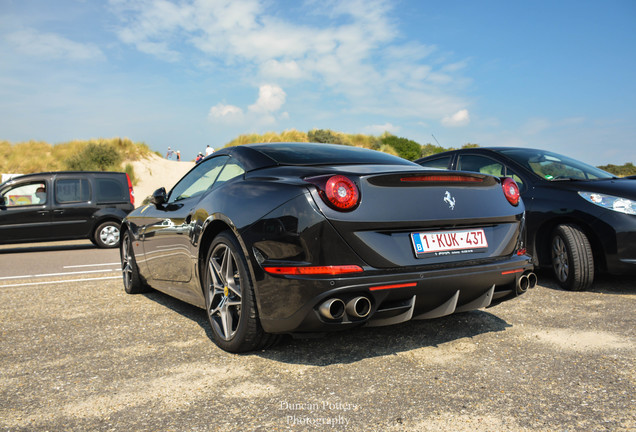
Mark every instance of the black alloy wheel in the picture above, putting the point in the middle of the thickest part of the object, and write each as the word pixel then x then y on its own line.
pixel 229 298
pixel 572 258
pixel 133 284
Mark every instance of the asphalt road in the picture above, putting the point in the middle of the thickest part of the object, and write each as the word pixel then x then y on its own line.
pixel 77 353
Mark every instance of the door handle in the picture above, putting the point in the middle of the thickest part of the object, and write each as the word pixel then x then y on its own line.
pixel 43 212
pixel 58 211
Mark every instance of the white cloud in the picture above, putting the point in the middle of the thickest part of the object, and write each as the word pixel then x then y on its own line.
pixel 270 98
pixel 356 52
pixel 264 111
pixel 226 113
pixel 460 118
pixel 52 46
pixel 379 129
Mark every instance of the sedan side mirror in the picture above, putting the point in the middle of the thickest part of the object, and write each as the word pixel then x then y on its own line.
pixel 159 197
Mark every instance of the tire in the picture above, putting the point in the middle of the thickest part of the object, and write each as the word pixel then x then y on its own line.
pixel 229 298
pixel 133 284
pixel 107 235
pixel 572 258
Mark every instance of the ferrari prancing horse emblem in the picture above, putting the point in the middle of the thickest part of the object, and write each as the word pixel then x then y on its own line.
pixel 449 200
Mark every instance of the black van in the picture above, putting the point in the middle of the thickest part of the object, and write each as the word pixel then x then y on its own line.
pixel 65 205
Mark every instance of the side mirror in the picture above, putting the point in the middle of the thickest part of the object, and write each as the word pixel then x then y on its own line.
pixel 159 197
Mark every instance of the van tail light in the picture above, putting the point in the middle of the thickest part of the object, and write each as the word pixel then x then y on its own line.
pixel 337 191
pixel 511 190
pixel 130 190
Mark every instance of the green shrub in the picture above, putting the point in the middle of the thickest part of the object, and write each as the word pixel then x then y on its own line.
pixel 405 148
pixel 323 136
pixel 95 157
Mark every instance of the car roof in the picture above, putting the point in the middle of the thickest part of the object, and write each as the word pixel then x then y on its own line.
pixel 261 155
pixel 55 173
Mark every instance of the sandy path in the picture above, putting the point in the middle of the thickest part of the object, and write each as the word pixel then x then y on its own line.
pixel 155 172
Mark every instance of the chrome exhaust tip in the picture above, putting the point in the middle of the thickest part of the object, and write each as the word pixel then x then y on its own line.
pixel 332 309
pixel 522 284
pixel 358 307
pixel 532 280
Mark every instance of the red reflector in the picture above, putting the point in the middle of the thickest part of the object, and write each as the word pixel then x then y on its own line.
pixel 383 287
pixel 442 178
pixel 314 270
pixel 512 271
pixel 521 252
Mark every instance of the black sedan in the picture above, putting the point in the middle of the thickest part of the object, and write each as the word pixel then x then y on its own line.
pixel 581 219
pixel 295 237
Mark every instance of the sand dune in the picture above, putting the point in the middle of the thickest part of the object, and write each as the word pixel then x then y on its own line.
pixel 155 172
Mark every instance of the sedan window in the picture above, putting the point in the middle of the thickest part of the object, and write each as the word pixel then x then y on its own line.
pixel 439 163
pixel 200 179
pixel 231 170
pixel 486 165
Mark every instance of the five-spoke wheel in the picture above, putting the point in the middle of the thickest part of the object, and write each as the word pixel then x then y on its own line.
pixel 229 297
pixel 133 284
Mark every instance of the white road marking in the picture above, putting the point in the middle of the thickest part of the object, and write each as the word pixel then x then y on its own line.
pixel 58 274
pixel 92 265
pixel 59 282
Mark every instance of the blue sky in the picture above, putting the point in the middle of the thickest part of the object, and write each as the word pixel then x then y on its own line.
pixel 558 74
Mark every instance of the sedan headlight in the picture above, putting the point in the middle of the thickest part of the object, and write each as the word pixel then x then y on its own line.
pixel 622 205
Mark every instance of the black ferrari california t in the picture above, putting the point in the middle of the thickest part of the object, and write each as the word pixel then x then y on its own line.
pixel 306 238
pixel 581 219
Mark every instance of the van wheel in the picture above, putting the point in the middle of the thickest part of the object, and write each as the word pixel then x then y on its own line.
pixel 107 235
pixel 572 258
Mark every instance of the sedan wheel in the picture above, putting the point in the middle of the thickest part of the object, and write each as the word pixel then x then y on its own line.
pixel 133 283
pixel 107 235
pixel 572 258
pixel 229 298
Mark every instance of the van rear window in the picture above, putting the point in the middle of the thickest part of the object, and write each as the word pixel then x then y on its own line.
pixel 109 190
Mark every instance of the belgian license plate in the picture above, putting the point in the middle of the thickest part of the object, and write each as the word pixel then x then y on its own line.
pixel 438 243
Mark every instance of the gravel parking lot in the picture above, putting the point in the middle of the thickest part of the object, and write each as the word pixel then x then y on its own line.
pixel 86 356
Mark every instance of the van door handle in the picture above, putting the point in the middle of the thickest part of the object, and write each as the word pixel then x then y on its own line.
pixel 58 212
pixel 43 212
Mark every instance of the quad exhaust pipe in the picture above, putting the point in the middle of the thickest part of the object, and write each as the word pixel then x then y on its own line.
pixel 359 307
pixel 334 309
pixel 525 281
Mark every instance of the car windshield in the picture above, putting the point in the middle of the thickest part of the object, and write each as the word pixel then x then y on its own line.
pixel 555 167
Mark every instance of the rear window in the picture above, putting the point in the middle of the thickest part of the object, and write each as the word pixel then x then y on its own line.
pixel 325 154
pixel 110 190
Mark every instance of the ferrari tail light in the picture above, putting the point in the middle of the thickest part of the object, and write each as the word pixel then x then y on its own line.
pixel 314 270
pixel 443 178
pixel 511 190
pixel 131 192
pixel 338 191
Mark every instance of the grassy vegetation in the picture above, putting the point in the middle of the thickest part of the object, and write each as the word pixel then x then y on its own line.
pixel 92 155
pixel 386 142
pixel 114 154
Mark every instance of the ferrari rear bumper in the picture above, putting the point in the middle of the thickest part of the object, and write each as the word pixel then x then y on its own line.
pixel 313 304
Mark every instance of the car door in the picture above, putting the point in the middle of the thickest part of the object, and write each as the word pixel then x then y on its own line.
pixel 169 234
pixel 25 211
pixel 73 207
